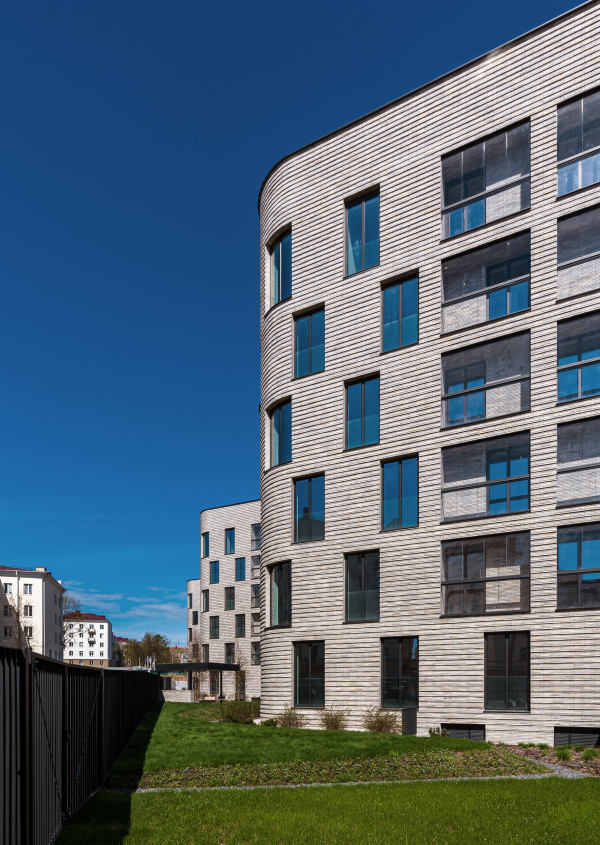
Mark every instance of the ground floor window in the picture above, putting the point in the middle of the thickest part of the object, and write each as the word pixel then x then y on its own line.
pixel 507 671
pixel 214 683
pixel 309 674
pixel 399 672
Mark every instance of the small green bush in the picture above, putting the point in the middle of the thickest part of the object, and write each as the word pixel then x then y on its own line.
pixel 590 754
pixel 239 712
pixel 333 720
pixel 438 731
pixel 579 748
pixel 290 718
pixel 543 745
pixel 563 754
pixel 377 720
pixel 269 723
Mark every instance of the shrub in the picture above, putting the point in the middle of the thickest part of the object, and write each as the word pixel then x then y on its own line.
pixel 543 745
pixel 269 723
pixel 438 731
pixel 290 718
pixel 563 754
pixel 240 712
pixel 377 720
pixel 579 748
pixel 590 754
pixel 333 720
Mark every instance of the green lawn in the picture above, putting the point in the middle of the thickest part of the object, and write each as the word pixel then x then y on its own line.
pixel 174 736
pixel 510 812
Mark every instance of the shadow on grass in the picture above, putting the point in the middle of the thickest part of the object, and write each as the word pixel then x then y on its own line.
pixel 116 817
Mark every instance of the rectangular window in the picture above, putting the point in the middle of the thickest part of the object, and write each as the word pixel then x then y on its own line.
pixel 229 652
pixel 205 544
pixel 255 535
pixel 255 567
pixel 255 621
pixel 400 314
pixel 487 380
pixel 7 631
pixel 309 510
pixel 28 610
pixel 486 478
pixel 578 455
pixel 579 566
pixel 205 653
pixel 309 354
pixel 362 413
pixel 28 632
pixel 486 283
pixel 189 635
pixel 362 233
pixel 486 574
pixel 214 628
pixel 486 181
pixel 579 143
pixel 230 541
pixel 281 269
pixel 190 599
pixel 399 672
pixel 281 434
pixel 579 357
pixel 578 252
pixel 255 595
pixel 362 587
pixel 507 671
pixel 240 624
pixel 7 610
pixel 309 674
pixel 281 595
pixel 214 683
pixel 400 494
pixel 240 569
pixel 8 589
pixel 229 598
pixel 27 589
pixel 194 617
pixel 205 601
pixel 214 572
pixel 255 654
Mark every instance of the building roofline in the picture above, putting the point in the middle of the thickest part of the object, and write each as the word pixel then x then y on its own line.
pixel 248 501
pixel 31 571
pixel 448 75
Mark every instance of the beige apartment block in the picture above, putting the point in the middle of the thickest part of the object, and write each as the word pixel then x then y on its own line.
pixel 31 611
pixel 478 599
pixel 229 609
pixel 89 640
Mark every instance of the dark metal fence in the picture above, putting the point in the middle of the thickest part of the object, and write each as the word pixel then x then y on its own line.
pixel 61 729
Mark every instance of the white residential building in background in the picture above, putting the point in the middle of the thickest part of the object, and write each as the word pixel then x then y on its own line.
pixel 89 640
pixel 31 614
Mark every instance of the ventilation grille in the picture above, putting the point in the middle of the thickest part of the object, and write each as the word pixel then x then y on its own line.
pixel 474 732
pixel 577 736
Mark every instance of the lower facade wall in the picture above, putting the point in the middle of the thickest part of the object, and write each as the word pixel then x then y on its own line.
pixel 252 683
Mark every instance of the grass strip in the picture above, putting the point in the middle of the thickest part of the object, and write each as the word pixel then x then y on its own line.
pixel 424 765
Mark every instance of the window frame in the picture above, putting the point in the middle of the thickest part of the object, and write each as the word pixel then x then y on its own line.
pixel 578 365
pixel 229 541
pixel 362 381
pixel 255 537
pixel 399 461
pixel 240 568
pixel 271 571
pixel 579 571
pixel 577 157
pixel 254 595
pixel 205 601
pixel 229 598
pixel 212 626
pixel 362 620
pixel 271 415
pixel 506 709
pixel 255 659
pixel 310 675
pixel 240 627
pixel 206 544
pixel 399 282
pixel 302 315
pixel 400 707
pixel 308 478
pixel 275 243
pixel 213 569
pixel 351 202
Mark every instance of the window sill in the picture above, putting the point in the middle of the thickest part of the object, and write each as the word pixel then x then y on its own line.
pixel 359 272
pixel 360 621
pixel 571 609
pixel 400 528
pixel 399 348
pixel 486 322
pixel 485 225
pixel 275 628
pixel 515 711
pixel 485 419
pixel 309 706
pixel 358 448
pixel 578 502
pixel 484 614
pixel 277 304
pixel 579 399
pixel 576 296
pixel 308 375
pixel 485 516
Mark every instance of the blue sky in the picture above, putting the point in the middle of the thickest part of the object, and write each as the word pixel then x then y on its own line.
pixel 135 136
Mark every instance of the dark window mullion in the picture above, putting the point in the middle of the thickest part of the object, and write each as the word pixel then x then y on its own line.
pixel 362 246
pixel 506 640
pixel 310 369
pixel 362 414
pixel 310 508
pixel 400 315
pixel 362 586
pixel 399 494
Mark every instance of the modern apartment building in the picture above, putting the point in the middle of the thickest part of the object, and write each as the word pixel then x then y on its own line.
pixel 230 597
pixel 194 597
pixel 31 610
pixel 89 640
pixel 430 434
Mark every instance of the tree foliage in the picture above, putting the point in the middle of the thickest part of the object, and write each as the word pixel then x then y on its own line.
pixel 151 645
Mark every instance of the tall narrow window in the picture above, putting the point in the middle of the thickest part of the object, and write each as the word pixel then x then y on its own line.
pixel 255 623
pixel 230 541
pixel 255 654
pixel 255 596
pixel 214 628
pixel 486 574
pixel 400 506
pixel 205 653
pixel 579 566
pixel 579 143
pixel 487 380
pixel 578 456
pixel 507 671
pixel 579 357
pixel 362 587
pixel 309 674
pixel 281 595
pixel 362 234
pixel 205 601
pixel 578 245
pixel 309 517
pixel 399 672
pixel 240 624
pixel 486 181
pixel 194 617
pixel 281 269
pixel 240 569
pixel 190 600
pixel 485 478
pixel 362 413
pixel 255 535
pixel 310 343
pixel 255 567
pixel 205 544
pixel 214 572
pixel 229 652
pixel 229 598
pixel 400 314
pixel 281 434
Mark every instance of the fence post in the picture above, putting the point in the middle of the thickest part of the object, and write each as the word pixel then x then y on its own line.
pixel 65 740
pixel 28 772
pixel 101 725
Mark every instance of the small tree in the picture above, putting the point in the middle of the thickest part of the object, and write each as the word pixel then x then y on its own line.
pixel 151 645
pixel 70 606
pixel 23 631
